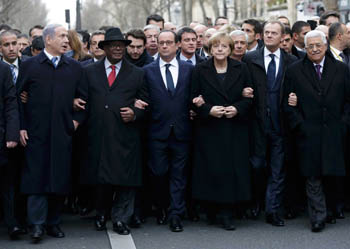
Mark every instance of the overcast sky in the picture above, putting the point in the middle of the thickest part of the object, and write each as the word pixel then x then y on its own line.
pixel 57 11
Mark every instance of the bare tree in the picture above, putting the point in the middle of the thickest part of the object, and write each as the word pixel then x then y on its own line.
pixel 23 14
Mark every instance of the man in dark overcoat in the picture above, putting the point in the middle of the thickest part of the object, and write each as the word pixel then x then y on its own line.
pixel 47 125
pixel 267 66
pixel 110 87
pixel 320 119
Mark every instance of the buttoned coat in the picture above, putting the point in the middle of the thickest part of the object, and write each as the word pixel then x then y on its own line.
pixel 48 118
pixel 9 118
pixel 320 119
pixel 221 170
pixel 114 149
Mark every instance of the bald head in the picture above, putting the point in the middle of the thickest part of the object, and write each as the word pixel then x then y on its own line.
pixel 200 29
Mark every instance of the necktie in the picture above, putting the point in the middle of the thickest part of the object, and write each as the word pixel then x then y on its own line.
pixel 169 80
pixel 14 77
pixel 318 71
pixel 111 76
pixel 344 58
pixel 271 72
pixel 54 61
pixel 189 61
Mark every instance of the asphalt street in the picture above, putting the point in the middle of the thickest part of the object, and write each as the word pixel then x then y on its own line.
pixel 248 235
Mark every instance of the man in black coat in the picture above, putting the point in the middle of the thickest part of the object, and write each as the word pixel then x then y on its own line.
pixel 47 125
pixel 320 120
pixel 267 67
pixel 9 49
pixel 299 30
pixel 113 163
pixel 9 137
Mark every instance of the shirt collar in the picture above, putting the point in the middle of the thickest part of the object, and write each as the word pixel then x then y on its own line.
pixel 15 63
pixel 193 58
pixel 108 64
pixel 51 56
pixel 321 63
pixel 254 48
pixel 267 53
pixel 336 51
pixel 173 62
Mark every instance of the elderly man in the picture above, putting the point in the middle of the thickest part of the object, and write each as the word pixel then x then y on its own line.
pixel 320 119
pixel 200 30
pixel 204 51
pixel 47 125
pixel 240 42
pixel 151 32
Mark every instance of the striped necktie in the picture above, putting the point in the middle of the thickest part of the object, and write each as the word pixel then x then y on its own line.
pixel 13 72
pixel 54 61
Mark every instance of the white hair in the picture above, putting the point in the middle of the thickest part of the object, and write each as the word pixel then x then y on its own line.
pixel 239 33
pixel 151 26
pixel 315 33
pixel 49 30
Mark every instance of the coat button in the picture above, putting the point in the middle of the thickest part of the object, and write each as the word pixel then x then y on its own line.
pixel 106 106
pixel 319 93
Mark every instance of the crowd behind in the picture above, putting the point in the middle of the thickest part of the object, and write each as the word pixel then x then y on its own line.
pixel 219 122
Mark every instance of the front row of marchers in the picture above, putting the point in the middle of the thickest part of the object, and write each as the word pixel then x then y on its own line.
pixel 237 124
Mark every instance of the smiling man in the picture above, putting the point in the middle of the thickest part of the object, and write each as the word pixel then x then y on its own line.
pixel 319 120
pixel 47 125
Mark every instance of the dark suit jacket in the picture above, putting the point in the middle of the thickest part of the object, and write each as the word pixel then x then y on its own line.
pixel 114 148
pixel 9 118
pixel 199 58
pixel 87 62
pixel 169 112
pixel 297 53
pixel 320 119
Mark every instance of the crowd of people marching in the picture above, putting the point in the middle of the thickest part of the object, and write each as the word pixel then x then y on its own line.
pixel 215 122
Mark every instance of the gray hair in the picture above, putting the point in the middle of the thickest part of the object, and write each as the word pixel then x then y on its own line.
pixel 97 32
pixel 315 33
pixel 49 30
pixel 239 33
pixel 151 26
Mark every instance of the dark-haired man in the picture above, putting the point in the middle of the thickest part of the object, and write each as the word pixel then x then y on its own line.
pixel 329 17
pixel 187 44
pixel 253 29
pixel 220 21
pixel 155 20
pixel 135 51
pixel 299 30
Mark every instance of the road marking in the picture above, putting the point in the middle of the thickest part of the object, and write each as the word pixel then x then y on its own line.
pixel 120 241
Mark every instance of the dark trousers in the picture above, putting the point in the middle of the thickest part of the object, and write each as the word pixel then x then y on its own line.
pixel 167 163
pixel 7 195
pixel 334 189
pixel 275 185
pixel 316 200
pixel 45 209
pixel 118 199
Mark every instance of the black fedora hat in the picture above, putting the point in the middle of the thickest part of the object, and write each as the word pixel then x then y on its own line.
pixel 113 34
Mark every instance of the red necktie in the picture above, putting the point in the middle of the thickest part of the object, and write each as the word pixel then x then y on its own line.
pixel 111 76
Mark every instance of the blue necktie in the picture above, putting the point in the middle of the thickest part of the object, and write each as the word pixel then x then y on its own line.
pixel 14 77
pixel 169 80
pixel 189 61
pixel 54 60
pixel 271 72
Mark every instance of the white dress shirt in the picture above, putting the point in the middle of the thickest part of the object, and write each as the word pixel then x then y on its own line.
pixel 51 56
pixel 193 58
pixel 321 63
pixel 174 69
pixel 109 69
pixel 15 68
pixel 267 59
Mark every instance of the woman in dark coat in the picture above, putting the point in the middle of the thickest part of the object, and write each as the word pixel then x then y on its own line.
pixel 221 174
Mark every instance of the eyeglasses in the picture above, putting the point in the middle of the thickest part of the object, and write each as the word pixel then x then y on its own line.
pixel 168 43
pixel 317 45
